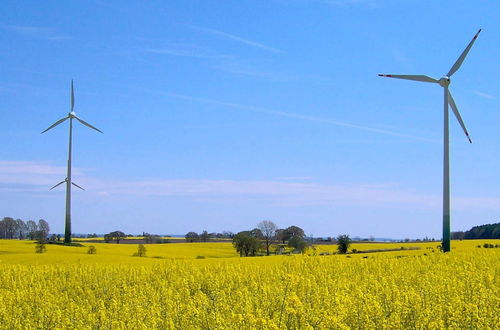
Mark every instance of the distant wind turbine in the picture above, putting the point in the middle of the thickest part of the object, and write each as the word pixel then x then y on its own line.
pixel 448 99
pixel 70 116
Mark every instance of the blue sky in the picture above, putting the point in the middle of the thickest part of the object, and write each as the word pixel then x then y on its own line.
pixel 220 114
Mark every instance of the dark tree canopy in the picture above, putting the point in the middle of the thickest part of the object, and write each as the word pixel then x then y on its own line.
pixel 489 231
pixel 246 244
pixel 115 236
pixel 191 236
pixel 343 242
pixel 294 231
pixel 299 244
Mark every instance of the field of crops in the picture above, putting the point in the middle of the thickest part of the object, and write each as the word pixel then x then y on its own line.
pixel 67 288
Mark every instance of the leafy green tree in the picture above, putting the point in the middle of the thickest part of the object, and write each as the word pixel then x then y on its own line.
pixel 246 244
pixel 205 236
pixel 293 231
pixel 191 236
pixel 298 243
pixel 141 251
pixel 115 236
pixel 343 243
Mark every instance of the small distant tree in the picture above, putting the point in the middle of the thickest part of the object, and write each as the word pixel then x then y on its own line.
pixel 150 238
pixel 43 230
pixel 343 243
pixel 115 236
pixel 205 236
pixel 299 244
pixel 31 228
pixel 280 235
pixel 191 237
pixel 294 231
pixel 246 244
pixel 9 227
pixel 141 251
pixel 40 247
pixel 21 228
pixel 91 250
pixel 268 229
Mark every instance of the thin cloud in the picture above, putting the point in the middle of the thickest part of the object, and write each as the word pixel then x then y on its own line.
pixel 237 39
pixel 486 96
pixel 273 192
pixel 37 32
pixel 300 117
pixel 187 50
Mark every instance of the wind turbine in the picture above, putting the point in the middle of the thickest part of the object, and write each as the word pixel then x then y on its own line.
pixel 71 115
pixel 448 99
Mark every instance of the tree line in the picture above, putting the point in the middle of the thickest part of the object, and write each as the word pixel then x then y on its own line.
pixel 488 231
pixel 19 229
pixel 205 236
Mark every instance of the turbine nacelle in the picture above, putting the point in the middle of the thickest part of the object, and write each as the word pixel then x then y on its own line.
pixel 444 81
pixel 72 114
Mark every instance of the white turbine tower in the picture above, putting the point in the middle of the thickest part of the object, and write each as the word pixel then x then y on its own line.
pixel 70 116
pixel 448 99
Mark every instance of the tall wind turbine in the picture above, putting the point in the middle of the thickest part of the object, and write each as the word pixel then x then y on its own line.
pixel 448 99
pixel 71 115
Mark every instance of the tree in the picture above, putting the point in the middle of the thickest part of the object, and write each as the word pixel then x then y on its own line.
pixel 246 244
pixel 31 229
pixel 343 243
pixel 299 244
pixel 21 228
pixel 204 236
pixel 280 235
pixel 141 251
pixel 115 236
pixel 257 233
pixel 294 231
pixel 150 238
pixel 43 230
pixel 191 236
pixel 268 229
pixel 9 227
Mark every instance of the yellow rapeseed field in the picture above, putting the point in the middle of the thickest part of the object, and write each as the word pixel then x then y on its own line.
pixel 411 289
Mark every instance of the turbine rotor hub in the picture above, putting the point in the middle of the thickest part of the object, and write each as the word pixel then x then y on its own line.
pixel 445 81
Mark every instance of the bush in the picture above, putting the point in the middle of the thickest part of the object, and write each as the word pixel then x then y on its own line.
pixel 141 251
pixel 91 250
pixel 40 247
pixel 343 243
pixel 298 244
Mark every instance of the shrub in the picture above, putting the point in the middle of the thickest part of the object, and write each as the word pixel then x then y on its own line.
pixel 40 247
pixel 298 244
pixel 91 250
pixel 141 251
pixel 343 242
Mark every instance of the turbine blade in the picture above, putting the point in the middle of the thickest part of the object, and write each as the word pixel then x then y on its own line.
pixel 57 185
pixel 410 77
pixel 55 124
pixel 72 96
pixel 457 114
pixel 459 61
pixel 87 124
pixel 74 184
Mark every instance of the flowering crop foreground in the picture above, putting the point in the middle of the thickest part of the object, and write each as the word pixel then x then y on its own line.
pixel 455 290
